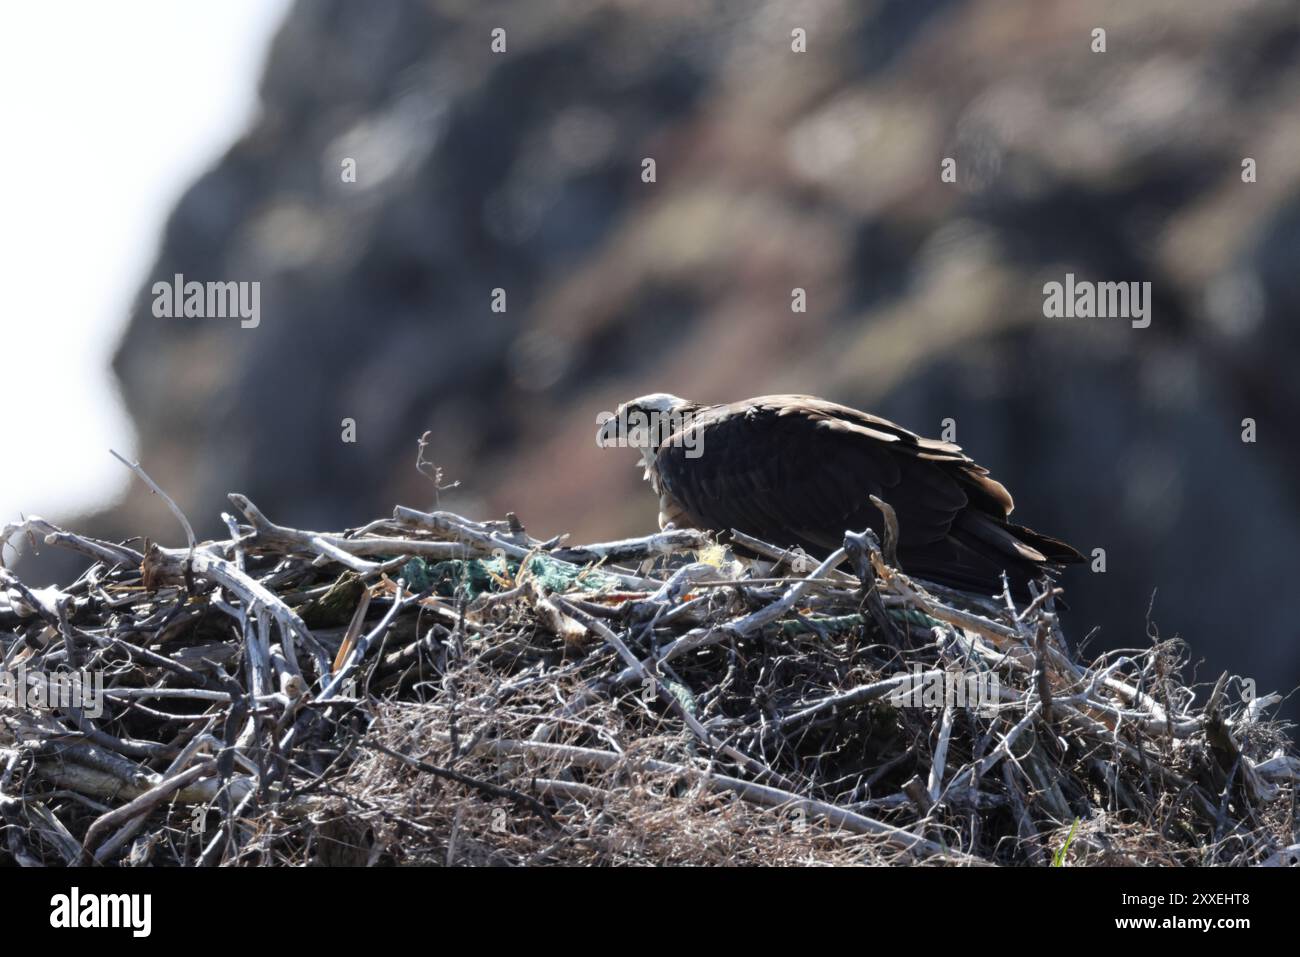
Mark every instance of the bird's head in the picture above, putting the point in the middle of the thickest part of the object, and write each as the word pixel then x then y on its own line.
pixel 644 422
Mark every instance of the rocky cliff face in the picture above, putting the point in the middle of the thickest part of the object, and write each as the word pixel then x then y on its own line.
pixel 522 171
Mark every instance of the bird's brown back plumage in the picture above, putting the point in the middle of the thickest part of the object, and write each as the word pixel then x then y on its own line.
pixel 800 471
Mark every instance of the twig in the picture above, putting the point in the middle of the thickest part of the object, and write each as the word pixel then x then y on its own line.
pixel 157 490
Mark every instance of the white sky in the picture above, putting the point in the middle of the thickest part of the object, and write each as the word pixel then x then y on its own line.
pixel 108 110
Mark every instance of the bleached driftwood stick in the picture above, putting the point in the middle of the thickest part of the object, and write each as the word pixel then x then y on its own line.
pixel 633 549
pixel 339 547
pixel 107 552
pixel 858 696
pixel 935 781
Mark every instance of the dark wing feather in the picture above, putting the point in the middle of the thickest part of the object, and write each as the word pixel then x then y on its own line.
pixel 795 470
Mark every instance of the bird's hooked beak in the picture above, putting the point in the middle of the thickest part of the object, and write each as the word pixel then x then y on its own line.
pixel 607 432
pixel 614 433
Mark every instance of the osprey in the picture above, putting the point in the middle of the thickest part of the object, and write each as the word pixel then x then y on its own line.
pixel 794 470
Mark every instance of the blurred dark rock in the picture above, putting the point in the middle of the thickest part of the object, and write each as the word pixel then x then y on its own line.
pixel 775 170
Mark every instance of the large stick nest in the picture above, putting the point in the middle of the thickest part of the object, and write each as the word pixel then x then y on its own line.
pixel 433 689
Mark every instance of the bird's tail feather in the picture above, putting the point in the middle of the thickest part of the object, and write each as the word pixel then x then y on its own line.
pixel 1054 550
